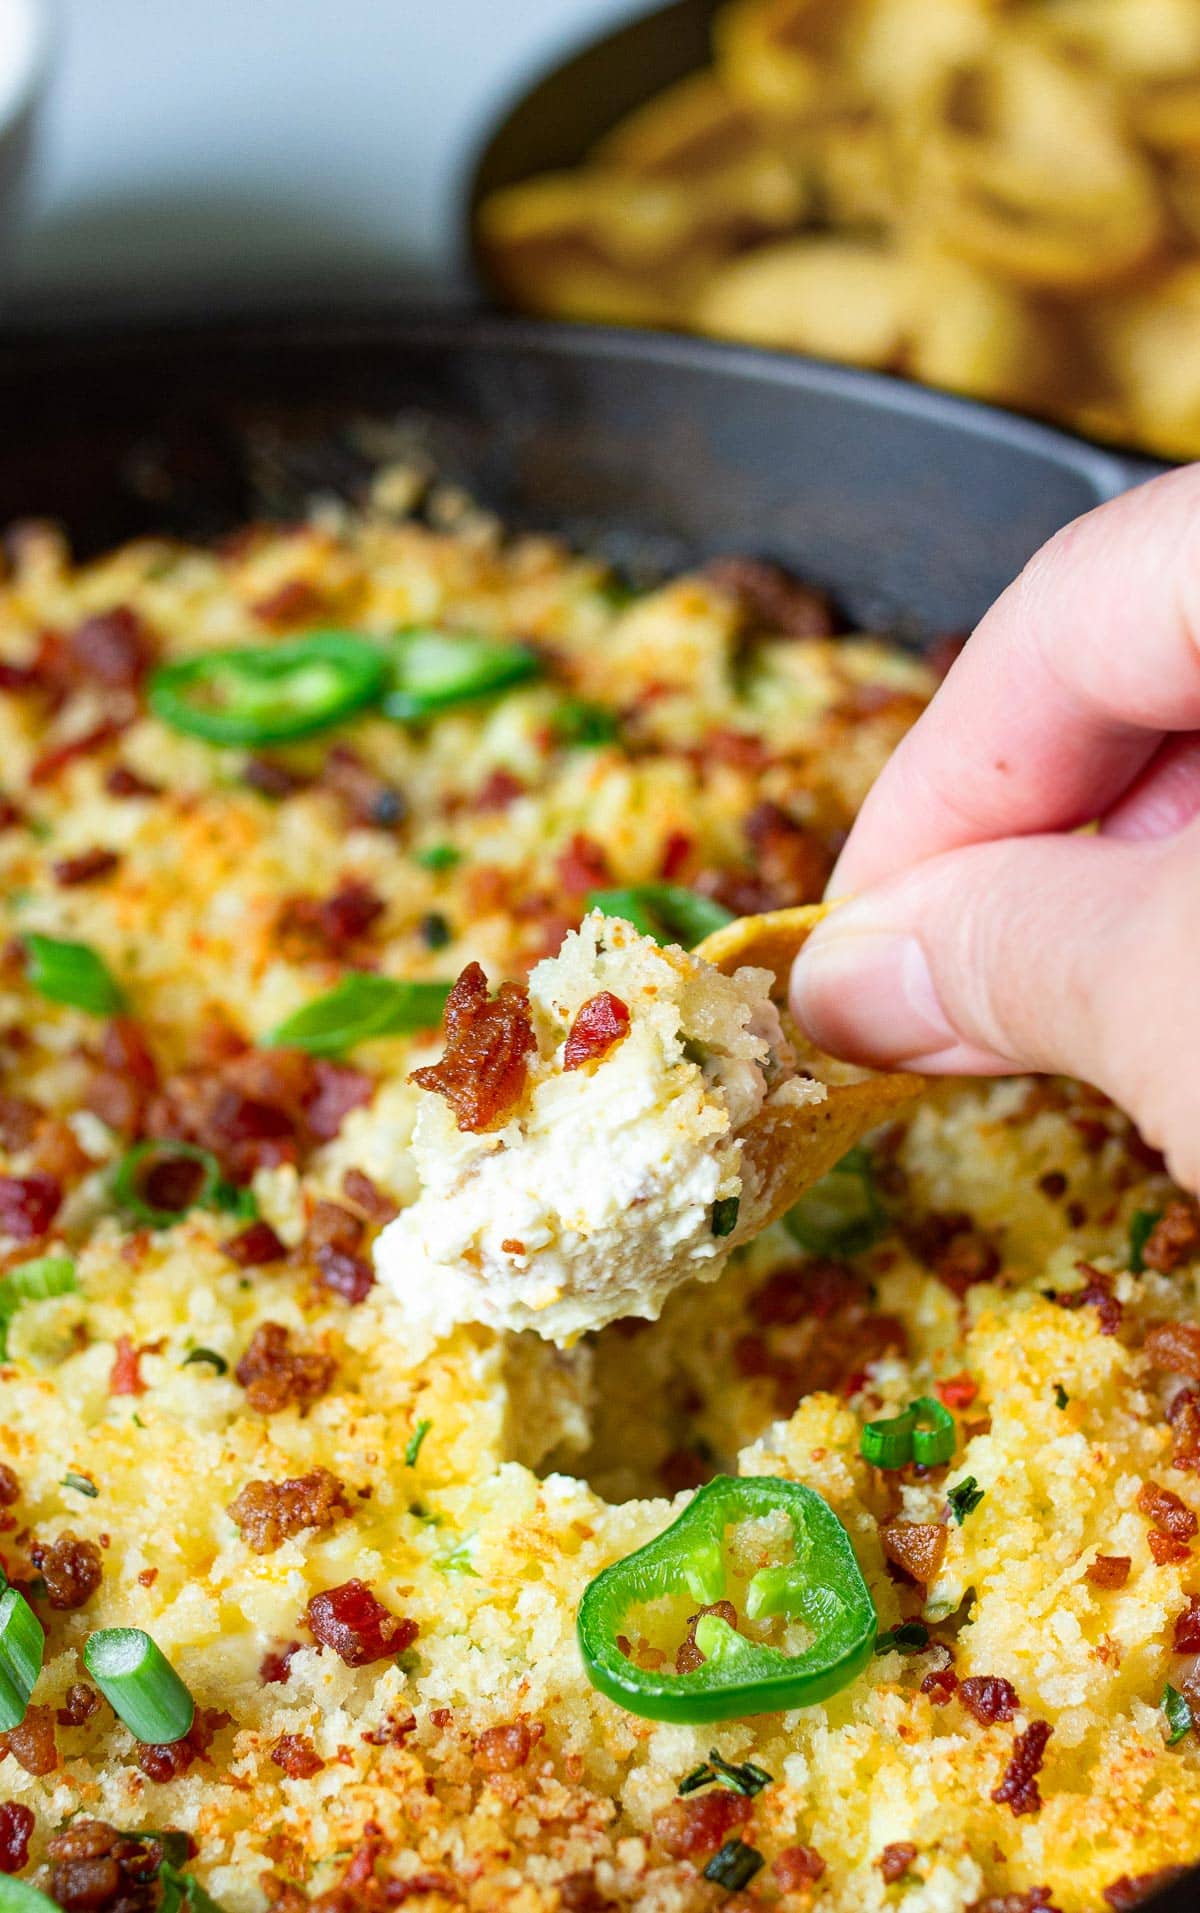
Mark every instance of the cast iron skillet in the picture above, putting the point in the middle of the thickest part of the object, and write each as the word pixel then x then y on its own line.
pixel 912 507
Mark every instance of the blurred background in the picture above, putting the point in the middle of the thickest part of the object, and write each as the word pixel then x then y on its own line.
pixel 999 197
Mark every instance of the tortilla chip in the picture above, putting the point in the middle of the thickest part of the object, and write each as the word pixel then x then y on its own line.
pixel 791 1146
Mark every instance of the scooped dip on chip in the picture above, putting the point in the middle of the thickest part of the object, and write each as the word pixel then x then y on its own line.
pixel 582 1150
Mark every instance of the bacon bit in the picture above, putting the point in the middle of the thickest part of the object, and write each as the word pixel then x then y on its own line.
pixel 269 1513
pixel 164 1762
pixel 1098 1294
pixel 88 867
pixel 10 815
pixel 488 1040
pixel 1053 1184
pixel 796 1868
pixel 339 1089
pixel 258 1107
pixel 121 781
pixel 19 1118
pixel 297 1756
pixel 254 1246
pixel 771 599
pixel 700 1823
pixel 120 1090
pixel 1170 1515
pixel 1174 1239
pixel 498 790
pixel 274 1375
pixel 1186 1639
pixel 358 1188
pixel 350 1276
pixel 895 1861
pixel 792 860
pixel 579 1893
pixel 329 926
pixel 954 1249
pixel 71 1568
pixel 957 1392
pixel 147 1577
pixel 502 1750
pixel 803 1290
pixel 1019 1788
pixel 1183 1414
pixel 600 1024
pixel 1131 1890
pixel 1166 1550
pixel 96 1869
pixel 357 1626
pixel 676 855
pixel 392 1732
pixel 273 779
pixel 32 1744
pixel 47 767
pixel 918 1547
pixel 126 1376
pixel 114 648
pixel 365 797
pixel 1035 1900
pixel 688 1656
pixel 28 1205
pixel 292 602
pixel 512 1245
pixel 80 1702
pixel 582 866
pixel 683 1468
pixel 10 1486
pixel 16 1828
pixel 940 1685
pixel 989 1697
pixel 1110 1571
pixel 1175 1346
pixel 275 1667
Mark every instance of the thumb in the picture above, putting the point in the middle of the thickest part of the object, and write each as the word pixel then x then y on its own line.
pixel 1070 954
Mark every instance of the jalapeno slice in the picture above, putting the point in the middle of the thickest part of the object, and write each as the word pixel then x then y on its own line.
pixel 430 670
pixel 266 694
pixel 821 1586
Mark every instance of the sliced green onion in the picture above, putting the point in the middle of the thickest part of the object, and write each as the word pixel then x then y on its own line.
pixel 840 1214
pixel 157 1182
pixel 82 1484
pixel 362 1006
pixel 1061 1397
pixel 181 1890
pixel 899 1439
pixel 17 1896
pixel 438 857
pixel 583 724
pixel 725 1215
pixel 1177 1712
pixel 34 1281
pixel 910 1637
pixel 176 1846
pixel 22 1644
pixel 207 1355
pixel 701 1776
pixel 665 911
pixel 266 694
pixel 432 670
pixel 414 1443
pixel 139 1684
pixel 744 1777
pixel 66 972
pixel 965 1498
pixel 1141 1227
pixel 435 930
pixel 734 1866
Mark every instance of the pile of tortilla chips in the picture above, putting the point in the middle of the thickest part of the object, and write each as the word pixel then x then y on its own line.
pixel 999 198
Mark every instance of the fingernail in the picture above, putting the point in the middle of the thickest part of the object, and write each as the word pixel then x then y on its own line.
pixel 869 995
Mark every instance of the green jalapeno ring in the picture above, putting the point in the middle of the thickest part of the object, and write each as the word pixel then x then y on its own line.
pixel 899 1439
pixel 267 694
pixel 430 670
pixel 822 1586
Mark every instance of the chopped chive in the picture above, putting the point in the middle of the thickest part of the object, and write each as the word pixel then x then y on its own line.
pixel 744 1778
pixel 584 724
pixel 139 1683
pixel 242 1204
pixel 208 1355
pixel 438 857
pixel 1141 1227
pixel 82 1484
pixel 1061 1397
pixel 725 1215
pixel 34 1281
pixel 362 1006
pixel 414 1443
pixel 435 931
pixel 1177 1712
pixel 66 972
pixel 457 1560
pixel 910 1637
pixel 22 1644
pixel 964 1498
pixel 701 1776
pixel 734 1866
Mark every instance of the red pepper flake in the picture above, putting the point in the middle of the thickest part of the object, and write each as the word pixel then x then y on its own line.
pixel 28 1205
pixel 989 1697
pixel 957 1392
pixel 126 1376
pixel 1019 1788
pixel 600 1024
pixel 254 1245
pixel 483 1068
pixel 88 867
pixel 350 1620
pixel 16 1828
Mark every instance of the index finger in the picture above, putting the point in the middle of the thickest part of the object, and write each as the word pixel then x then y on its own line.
pixel 1061 696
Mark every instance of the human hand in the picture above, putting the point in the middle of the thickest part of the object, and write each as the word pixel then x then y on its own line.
pixel 984 933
